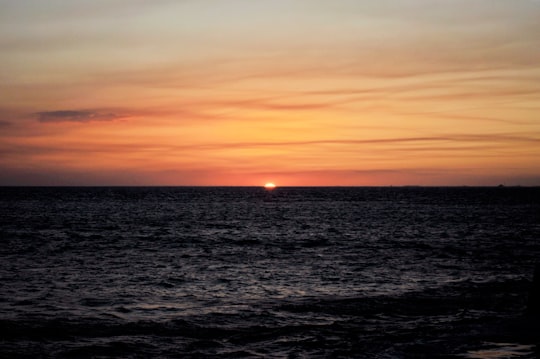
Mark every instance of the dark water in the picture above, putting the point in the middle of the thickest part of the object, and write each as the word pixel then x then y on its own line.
pixel 245 272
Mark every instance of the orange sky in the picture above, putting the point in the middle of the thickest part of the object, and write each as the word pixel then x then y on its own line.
pixel 297 92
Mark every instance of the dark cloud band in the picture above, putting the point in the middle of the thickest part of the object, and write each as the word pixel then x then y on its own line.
pixel 75 116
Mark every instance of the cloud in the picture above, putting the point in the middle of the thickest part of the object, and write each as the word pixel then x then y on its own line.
pixel 75 116
pixel 458 138
pixel 4 123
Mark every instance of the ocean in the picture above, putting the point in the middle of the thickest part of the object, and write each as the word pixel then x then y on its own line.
pixel 245 272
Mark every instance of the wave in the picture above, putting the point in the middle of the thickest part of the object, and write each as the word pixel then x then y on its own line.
pixel 450 319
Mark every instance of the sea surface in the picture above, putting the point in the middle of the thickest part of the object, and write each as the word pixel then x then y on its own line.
pixel 244 272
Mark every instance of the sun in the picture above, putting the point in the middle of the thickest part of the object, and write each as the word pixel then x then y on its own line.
pixel 269 186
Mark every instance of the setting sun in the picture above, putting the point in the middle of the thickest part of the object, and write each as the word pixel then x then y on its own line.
pixel 269 185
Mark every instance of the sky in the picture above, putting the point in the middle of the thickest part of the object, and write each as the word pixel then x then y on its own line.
pixel 295 92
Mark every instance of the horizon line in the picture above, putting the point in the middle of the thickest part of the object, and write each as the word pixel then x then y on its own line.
pixel 262 186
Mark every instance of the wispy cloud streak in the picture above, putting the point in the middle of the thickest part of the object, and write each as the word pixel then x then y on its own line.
pixel 75 116
pixel 427 140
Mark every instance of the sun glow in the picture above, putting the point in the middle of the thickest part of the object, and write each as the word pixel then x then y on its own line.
pixel 269 186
